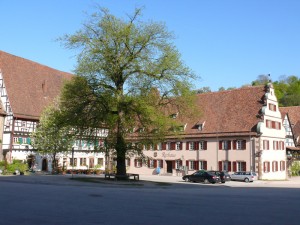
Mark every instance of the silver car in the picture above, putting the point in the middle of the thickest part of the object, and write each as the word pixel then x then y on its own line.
pixel 244 176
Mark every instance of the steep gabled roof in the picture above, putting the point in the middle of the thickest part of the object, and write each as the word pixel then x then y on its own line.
pixel 293 112
pixel 30 86
pixel 232 112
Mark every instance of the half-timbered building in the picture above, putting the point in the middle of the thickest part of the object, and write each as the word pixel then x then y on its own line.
pixel 26 88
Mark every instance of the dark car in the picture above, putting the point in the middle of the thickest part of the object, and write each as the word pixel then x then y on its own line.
pixel 224 176
pixel 202 176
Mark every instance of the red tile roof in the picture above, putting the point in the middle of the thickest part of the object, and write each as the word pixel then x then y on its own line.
pixel 232 112
pixel 293 112
pixel 30 86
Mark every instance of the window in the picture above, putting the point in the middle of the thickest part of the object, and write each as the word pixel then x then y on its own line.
pixel 273 124
pixel 138 163
pixel 178 164
pixel 202 145
pixel 191 165
pixel 16 140
pixel 100 162
pixel 159 163
pixel 168 147
pixel 192 146
pixel 202 165
pixel 282 165
pixel 239 144
pixel 75 162
pixel 159 146
pixel 225 145
pixel 272 107
pixel 178 146
pixel 239 166
pixel 266 167
pixel 82 161
pixel 274 166
pixel 266 145
pixel 151 163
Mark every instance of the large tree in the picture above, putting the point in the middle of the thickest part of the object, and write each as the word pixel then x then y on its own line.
pixel 130 79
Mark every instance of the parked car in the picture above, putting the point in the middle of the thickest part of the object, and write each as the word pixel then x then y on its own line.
pixel 244 176
pixel 224 176
pixel 202 176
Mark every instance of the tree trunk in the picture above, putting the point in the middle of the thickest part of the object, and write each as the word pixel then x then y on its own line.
pixel 121 152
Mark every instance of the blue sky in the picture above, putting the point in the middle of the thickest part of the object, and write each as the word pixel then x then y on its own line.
pixel 228 43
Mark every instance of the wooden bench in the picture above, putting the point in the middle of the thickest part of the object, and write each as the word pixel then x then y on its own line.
pixel 124 177
pixel 134 175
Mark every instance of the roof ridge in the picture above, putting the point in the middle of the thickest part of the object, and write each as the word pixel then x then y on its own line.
pixel 31 61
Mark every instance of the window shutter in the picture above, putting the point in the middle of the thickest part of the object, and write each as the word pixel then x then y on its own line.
pixel 244 166
pixel 172 145
pixel 196 145
pixel 244 144
pixel 205 165
pixel 229 166
pixel 173 164
pixel 196 165
pixel 273 124
pixel 220 165
pixel 229 145
pixel 220 145
pixel 128 161
pixel 187 163
pixel 180 162
pixel 135 162
pixel 268 164
pixel 276 166
pixel 268 144
pixel 234 144
pixel 164 146
pixel 234 166
pixel 155 147
pixel 20 140
pixel 161 163
pixel 205 145
pixel 180 146
pixel 148 163
pixel 28 141
pixel 187 146
pixel 155 163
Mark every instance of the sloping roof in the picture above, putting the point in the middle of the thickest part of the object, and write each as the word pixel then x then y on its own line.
pixel 30 86
pixel 232 112
pixel 293 112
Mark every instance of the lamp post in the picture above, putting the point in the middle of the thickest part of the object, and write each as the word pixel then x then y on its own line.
pixel 72 161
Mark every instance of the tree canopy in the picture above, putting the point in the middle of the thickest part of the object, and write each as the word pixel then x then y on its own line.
pixel 50 137
pixel 130 77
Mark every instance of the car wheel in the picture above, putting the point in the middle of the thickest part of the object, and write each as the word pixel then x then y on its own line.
pixel 187 179
pixel 206 181
pixel 246 180
pixel 223 182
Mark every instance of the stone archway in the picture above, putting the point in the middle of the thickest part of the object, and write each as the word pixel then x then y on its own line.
pixel 44 165
pixel 30 161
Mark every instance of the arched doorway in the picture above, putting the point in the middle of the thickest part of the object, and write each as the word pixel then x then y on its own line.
pixel 30 161
pixel 44 165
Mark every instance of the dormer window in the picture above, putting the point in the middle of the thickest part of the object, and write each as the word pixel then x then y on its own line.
pixel 141 130
pixel 174 115
pixel 200 125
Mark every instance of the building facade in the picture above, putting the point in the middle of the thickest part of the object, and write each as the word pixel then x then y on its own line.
pixel 26 88
pixel 237 130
